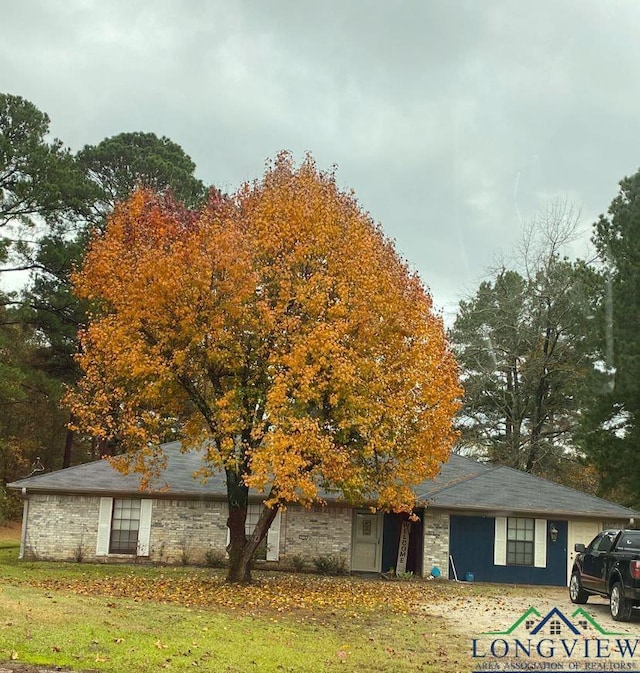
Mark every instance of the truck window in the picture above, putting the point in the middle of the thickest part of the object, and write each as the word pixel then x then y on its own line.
pixel 603 541
pixel 593 545
pixel 629 540
pixel 606 541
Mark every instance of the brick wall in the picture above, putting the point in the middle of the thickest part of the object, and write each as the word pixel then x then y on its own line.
pixel 320 531
pixel 183 531
pixel 64 527
pixel 436 543
pixel 61 527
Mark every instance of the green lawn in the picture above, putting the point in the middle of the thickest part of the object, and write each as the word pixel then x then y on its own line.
pixel 138 618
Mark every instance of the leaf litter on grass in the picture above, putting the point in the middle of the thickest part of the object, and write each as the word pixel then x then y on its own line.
pixel 276 593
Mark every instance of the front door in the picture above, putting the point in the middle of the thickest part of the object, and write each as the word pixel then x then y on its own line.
pixel 367 542
pixel 579 531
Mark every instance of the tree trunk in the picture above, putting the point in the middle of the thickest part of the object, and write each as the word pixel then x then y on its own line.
pixel 241 549
pixel 68 444
pixel 541 397
pixel 238 500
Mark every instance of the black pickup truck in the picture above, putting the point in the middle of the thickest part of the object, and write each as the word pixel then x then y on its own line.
pixel 609 566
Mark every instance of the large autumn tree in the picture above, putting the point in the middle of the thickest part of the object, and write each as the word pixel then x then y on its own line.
pixel 281 333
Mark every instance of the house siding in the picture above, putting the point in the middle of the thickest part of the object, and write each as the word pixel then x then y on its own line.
pixel 184 531
pixel 64 527
pixel 472 549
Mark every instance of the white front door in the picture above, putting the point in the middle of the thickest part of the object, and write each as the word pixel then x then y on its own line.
pixel 579 531
pixel 367 542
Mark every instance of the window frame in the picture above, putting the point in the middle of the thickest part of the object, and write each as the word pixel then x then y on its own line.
pixel 500 543
pixel 521 541
pixel 125 530
pixel 103 537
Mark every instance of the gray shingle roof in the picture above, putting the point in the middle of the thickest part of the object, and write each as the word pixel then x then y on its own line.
pixel 100 478
pixel 463 484
pixel 466 484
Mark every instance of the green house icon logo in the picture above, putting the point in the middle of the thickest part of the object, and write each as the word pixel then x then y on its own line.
pixel 554 623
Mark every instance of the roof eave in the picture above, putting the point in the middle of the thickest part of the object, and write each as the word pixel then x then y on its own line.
pixel 534 512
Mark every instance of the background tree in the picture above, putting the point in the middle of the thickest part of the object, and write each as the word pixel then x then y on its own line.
pixel 39 179
pixel 31 421
pixel 528 366
pixel 283 336
pixel 119 164
pixel 612 428
pixel 40 186
pixel 108 172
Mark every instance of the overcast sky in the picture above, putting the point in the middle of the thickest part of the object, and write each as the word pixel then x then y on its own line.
pixel 454 121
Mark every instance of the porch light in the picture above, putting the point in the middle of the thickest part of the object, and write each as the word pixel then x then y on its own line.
pixel 553 532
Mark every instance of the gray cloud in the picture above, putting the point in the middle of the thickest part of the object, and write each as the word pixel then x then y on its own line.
pixel 453 120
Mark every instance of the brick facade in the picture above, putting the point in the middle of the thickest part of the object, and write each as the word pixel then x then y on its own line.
pixel 183 531
pixel 435 543
pixel 64 527
pixel 61 527
pixel 320 531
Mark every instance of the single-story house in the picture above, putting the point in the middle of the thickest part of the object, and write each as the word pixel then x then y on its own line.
pixel 480 521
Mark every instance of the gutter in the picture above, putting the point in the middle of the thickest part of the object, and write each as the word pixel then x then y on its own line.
pixel 25 519
pixel 493 510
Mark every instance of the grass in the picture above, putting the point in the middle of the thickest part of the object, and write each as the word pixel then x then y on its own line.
pixel 139 618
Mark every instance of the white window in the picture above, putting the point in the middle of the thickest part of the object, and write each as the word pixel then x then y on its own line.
pixel 269 548
pixel 520 541
pixel 125 523
pixel 124 526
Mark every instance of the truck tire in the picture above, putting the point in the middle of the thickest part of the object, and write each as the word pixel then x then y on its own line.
pixel 620 606
pixel 576 593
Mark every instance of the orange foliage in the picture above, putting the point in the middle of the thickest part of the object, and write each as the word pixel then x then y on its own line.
pixel 280 329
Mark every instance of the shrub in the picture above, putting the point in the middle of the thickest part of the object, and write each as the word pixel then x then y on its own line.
pixel 185 552
pixel 330 565
pixel 3 505
pixel 10 505
pixel 215 559
pixel 298 563
pixel 405 576
pixel 78 553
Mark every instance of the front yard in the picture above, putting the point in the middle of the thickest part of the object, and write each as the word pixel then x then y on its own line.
pixel 140 618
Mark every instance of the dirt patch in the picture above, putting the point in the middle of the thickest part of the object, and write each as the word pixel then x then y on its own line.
pixel 476 613
pixel 10 532
pixel 485 621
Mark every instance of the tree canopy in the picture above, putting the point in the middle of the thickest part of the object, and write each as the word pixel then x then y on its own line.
pixel 280 332
pixel 612 429
pixel 116 166
pixel 38 177
pixel 528 361
pixel 101 175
